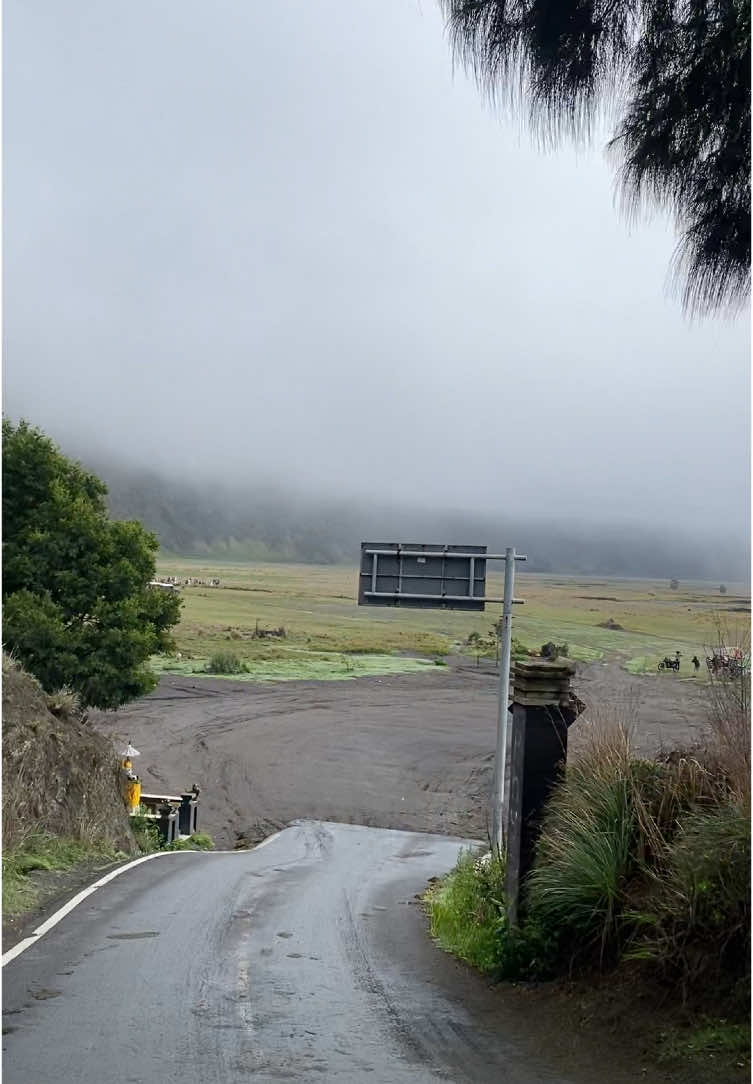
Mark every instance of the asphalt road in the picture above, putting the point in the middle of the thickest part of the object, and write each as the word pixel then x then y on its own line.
pixel 306 959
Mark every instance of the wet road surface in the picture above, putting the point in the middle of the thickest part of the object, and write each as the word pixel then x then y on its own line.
pixel 306 959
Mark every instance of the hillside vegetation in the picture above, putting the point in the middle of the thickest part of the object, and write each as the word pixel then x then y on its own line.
pixel 61 800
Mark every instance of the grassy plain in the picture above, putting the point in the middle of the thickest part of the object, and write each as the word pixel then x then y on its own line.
pixel 328 635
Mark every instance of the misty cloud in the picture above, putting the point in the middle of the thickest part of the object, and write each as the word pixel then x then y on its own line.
pixel 284 243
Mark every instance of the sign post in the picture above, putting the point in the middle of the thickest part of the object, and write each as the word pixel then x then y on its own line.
pixel 505 645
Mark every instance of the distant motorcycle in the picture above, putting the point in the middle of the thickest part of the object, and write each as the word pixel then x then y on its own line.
pixel 669 664
pixel 727 663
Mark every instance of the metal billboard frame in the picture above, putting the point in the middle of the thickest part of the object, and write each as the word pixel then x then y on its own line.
pixel 422 576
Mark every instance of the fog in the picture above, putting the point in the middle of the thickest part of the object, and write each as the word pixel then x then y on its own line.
pixel 285 245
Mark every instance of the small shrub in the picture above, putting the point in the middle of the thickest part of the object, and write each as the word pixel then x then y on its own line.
pixel 225 662
pixel 696 920
pixel 146 833
pixel 199 841
pixel 550 650
pixel 466 910
pixel 64 704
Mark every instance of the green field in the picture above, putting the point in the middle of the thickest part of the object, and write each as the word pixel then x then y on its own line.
pixel 328 636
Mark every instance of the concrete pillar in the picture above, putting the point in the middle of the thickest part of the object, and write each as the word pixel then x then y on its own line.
pixel 543 708
pixel 187 813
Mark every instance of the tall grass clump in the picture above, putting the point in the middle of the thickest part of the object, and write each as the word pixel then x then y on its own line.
pixel 467 908
pixel 695 922
pixel 728 713
pixel 637 859
pixel 226 662
pixel 586 851
pixel 467 916
pixel 650 860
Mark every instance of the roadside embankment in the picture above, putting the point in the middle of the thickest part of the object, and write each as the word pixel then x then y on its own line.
pixel 63 814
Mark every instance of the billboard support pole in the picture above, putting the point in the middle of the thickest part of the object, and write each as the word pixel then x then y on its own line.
pixel 500 759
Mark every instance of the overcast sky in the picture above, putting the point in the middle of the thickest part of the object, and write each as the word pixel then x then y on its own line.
pixel 285 240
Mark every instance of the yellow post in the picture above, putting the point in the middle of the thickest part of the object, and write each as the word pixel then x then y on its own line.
pixel 131 784
pixel 132 794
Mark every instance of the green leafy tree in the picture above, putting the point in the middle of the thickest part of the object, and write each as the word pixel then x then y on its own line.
pixel 676 72
pixel 77 608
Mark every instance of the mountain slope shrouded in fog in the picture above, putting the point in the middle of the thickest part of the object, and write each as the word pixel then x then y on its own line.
pixel 257 522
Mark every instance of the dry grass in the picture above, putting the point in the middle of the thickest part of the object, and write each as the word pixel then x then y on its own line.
pixel 60 776
pixel 65 704
pixel 650 859
pixel 728 707
pixel 317 607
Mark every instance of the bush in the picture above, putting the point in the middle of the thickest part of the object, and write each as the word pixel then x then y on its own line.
pixel 225 662
pixel 518 649
pixel 648 860
pixel 199 841
pixel 637 860
pixel 550 650
pixel 467 911
pixel 696 921
pixel 146 834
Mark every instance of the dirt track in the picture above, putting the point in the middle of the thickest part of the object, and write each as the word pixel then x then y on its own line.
pixel 409 751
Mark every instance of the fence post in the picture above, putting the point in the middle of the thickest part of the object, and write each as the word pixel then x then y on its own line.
pixel 167 822
pixel 543 708
pixel 187 812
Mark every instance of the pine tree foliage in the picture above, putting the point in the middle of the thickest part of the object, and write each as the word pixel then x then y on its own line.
pixel 675 73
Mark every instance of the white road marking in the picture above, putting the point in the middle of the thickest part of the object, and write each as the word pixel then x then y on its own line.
pixel 73 903
pixel 66 909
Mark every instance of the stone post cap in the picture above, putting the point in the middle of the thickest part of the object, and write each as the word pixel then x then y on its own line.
pixel 541 682
pixel 562 668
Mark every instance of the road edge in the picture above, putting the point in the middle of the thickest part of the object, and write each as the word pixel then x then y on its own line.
pixel 71 904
